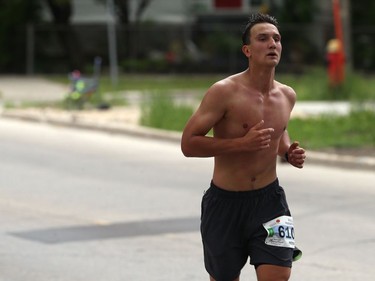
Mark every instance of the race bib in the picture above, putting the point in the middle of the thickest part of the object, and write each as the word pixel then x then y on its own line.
pixel 280 232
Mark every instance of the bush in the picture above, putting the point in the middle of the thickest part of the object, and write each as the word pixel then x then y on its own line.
pixel 163 113
pixel 355 130
pixel 314 85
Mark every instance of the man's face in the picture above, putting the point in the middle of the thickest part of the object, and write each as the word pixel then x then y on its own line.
pixel 265 44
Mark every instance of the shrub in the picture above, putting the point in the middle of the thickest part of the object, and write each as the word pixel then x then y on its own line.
pixel 162 113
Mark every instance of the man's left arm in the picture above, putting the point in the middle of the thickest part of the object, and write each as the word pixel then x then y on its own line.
pixel 292 153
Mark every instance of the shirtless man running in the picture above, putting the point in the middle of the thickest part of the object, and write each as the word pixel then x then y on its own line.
pixel 248 113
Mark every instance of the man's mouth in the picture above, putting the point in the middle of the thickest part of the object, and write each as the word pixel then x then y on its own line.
pixel 271 55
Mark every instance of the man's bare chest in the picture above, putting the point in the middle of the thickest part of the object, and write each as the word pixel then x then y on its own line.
pixel 242 114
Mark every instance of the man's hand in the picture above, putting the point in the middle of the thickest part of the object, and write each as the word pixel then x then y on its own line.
pixel 257 138
pixel 296 155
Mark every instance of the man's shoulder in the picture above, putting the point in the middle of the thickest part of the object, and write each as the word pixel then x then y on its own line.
pixel 285 89
pixel 225 85
pixel 228 80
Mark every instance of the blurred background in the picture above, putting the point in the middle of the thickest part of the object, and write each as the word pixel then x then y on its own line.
pixel 179 36
pixel 123 205
pixel 158 57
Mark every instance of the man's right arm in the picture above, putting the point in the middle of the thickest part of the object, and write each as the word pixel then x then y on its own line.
pixel 194 141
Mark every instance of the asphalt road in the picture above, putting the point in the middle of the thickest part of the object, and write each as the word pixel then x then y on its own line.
pixel 83 205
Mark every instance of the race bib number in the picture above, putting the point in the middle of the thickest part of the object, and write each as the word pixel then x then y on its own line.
pixel 280 232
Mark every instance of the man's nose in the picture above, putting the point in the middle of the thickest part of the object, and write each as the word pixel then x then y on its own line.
pixel 272 43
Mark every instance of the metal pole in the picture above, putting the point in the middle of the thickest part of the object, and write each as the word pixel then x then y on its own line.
pixel 112 43
pixel 340 71
pixel 347 32
pixel 338 21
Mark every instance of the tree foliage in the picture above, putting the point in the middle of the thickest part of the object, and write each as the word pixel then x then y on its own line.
pixel 363 12
pixel 61 10
pixel 292 11
pixel 363 28
pixel 14 16
pixel 122 8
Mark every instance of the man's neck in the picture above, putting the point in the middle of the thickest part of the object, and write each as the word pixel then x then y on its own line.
pixel 262 79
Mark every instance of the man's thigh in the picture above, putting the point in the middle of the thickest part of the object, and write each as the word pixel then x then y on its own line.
pixel 268 272
pixel 212 279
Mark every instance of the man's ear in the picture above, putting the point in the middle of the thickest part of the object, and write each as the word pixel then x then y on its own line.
pixel 246 50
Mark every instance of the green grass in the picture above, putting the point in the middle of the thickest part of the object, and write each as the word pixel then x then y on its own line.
pixel 327 131
pixel 149 82
pixel 352 131
pixel 162 113
pixel 313 85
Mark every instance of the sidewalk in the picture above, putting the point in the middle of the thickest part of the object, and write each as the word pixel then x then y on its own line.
pixel 124 120
pixel 17 89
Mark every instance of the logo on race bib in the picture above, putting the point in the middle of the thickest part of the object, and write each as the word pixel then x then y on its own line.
pixel 280 232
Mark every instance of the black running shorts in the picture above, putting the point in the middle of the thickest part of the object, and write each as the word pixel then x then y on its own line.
pixel 232 229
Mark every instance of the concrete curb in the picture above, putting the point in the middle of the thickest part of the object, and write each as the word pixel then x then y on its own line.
pixel 343 161
pixel 75 121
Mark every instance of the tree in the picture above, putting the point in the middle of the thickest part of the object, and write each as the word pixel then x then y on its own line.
pixel 363 27
pixel 123 13
pixel 61 11
pixel 123 9
pixel 296 16
pixel 301 11
pixel 363 12
pixel 14 16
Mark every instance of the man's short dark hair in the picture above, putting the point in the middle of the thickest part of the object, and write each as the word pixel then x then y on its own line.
pixel 253 20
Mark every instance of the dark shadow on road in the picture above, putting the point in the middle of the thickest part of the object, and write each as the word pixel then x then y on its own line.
pixel 118 230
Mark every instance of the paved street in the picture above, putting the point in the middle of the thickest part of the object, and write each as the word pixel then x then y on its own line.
pixel 83 205
pixel 18 89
